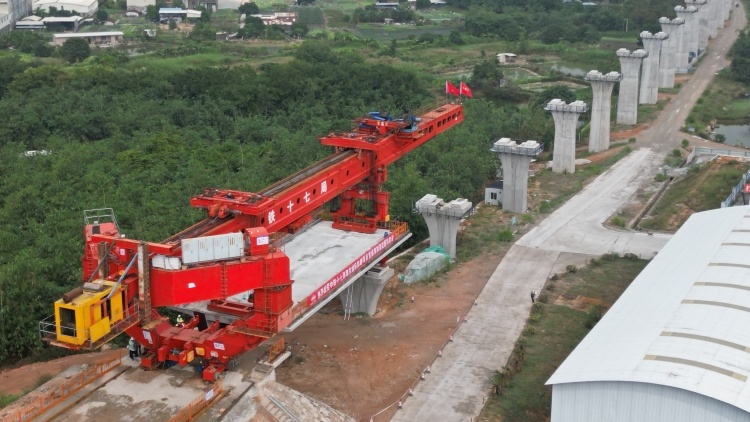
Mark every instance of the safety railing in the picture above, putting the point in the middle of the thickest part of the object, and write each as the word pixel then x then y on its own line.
pixel 276 349
pixel 48 330
pixel 730 200
pixel 201 403
pixel 57 394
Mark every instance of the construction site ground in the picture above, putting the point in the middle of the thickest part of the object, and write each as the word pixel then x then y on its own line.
pixel 359 366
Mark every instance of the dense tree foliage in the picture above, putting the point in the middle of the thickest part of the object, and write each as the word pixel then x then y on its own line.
pixel 143 139
pixel 75 50
pixel 249 8
pixel 27 42
pixel 740 67
pixel 372 14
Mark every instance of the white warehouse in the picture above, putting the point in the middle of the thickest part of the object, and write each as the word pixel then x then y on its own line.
pixel 676 346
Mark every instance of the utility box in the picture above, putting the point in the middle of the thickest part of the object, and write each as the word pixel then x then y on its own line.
pixel 258 240
pixel 213 248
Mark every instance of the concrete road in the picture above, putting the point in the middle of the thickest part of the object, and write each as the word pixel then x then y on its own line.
pixel 458 384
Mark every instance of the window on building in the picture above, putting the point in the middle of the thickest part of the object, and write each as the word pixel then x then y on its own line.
pixel 493 195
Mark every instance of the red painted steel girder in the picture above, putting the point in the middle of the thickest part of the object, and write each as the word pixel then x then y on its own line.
pixel 360 156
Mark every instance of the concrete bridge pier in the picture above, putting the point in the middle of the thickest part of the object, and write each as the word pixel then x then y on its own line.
pixel 516 159
pixel 627 100
pixel 652 43
pixel 701 27
pixel 601 108
pixel 673 29
pixel 442 220
pixel 566 117
pixel 689 37
pixel 363 294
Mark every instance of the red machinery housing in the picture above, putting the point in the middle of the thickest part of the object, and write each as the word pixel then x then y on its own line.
pixel 189 267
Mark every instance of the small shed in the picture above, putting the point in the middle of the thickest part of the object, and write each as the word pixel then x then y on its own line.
pixel 506 58
pixel 493 193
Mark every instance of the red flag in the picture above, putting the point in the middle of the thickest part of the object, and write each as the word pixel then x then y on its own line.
pixel 451 89
pixel 465 90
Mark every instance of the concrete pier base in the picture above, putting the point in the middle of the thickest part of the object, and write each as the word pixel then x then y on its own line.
pixel 601 108
pixel 566 117
pixel 627 100
pixel 689 38
pixel 363 294
pixel 649 92
pixel 515 159
pixel 668 51
pixel 442 220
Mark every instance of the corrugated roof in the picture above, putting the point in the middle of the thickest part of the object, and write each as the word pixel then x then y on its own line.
pixel 684 320
pixel 87 3
pixel 87 34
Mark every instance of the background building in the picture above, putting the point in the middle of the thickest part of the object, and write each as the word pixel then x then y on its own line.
pixel 80 7
pixel 12 11
pixel 676 346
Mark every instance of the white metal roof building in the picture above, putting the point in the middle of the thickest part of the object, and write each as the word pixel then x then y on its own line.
pixel 676 345
pixel 82 7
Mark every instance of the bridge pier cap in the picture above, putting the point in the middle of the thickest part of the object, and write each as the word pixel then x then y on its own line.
pixel 516 158
pixel 566 118
pixel 442 220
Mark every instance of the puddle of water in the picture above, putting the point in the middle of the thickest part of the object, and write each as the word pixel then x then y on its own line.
pixel 735 134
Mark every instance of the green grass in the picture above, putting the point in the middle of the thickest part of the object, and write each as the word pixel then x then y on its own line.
pixel 723 101
pixel 649 112
pixel 484 233
pixel 551 333
pixel 8 399
pixel 700 191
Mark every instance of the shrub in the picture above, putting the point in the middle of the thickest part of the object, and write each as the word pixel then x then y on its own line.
pixel 631 140
pixel 595 262
pixel 685 143
pixel 676 153
pixel 593 315
pixel 619 222
pixel 550 286
pixel 631 256
pixel 660 177
pixel 571 268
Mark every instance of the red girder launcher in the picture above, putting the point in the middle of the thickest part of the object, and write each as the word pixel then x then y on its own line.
pixel 231 253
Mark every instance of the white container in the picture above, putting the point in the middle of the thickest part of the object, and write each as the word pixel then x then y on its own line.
pixel 213 248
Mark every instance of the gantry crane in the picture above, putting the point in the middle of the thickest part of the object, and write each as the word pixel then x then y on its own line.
pixel 233 250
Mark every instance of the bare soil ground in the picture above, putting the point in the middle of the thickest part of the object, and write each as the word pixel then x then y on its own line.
pixel 17 380
pixel 366 364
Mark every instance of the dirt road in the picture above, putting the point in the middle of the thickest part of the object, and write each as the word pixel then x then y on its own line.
pixel 568 236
